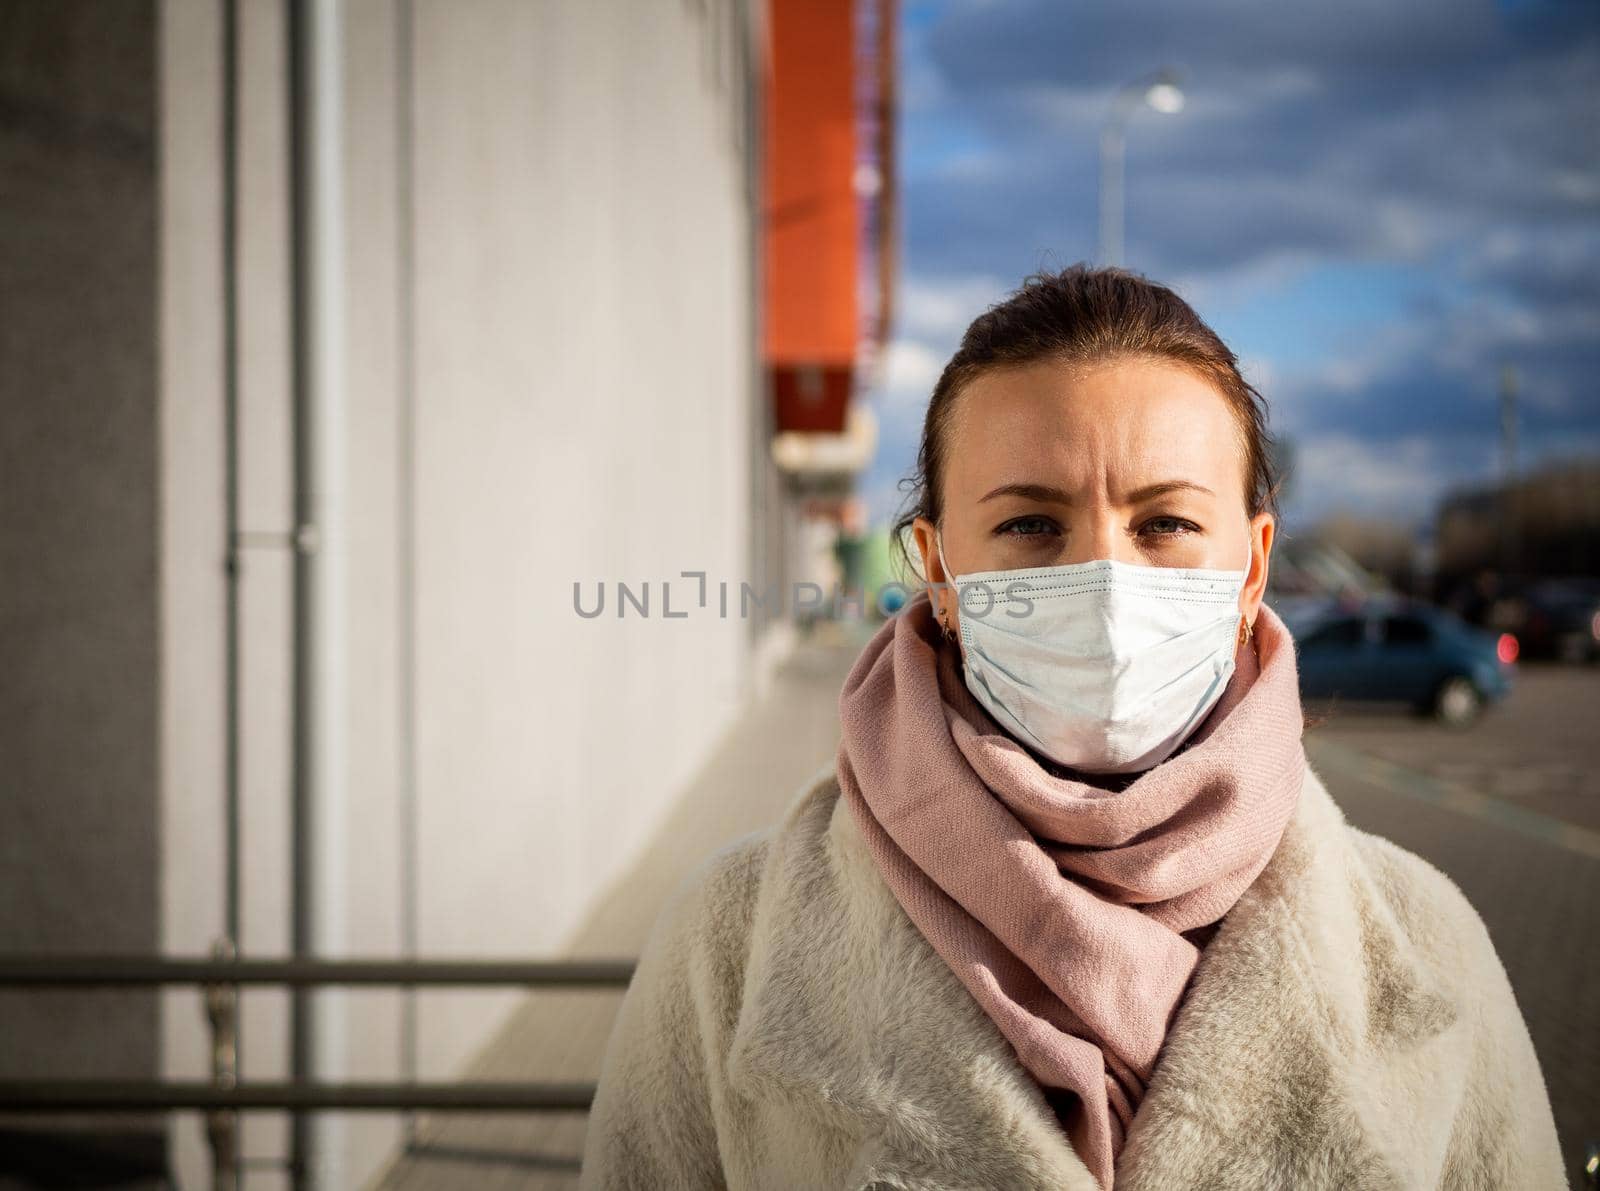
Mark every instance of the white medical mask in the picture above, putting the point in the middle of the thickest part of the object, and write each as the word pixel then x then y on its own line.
pixel 1103 666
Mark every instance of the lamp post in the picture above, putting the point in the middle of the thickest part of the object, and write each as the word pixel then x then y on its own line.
pixel 1161 92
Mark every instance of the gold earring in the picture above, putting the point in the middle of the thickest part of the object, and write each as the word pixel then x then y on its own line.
pixel 1246 631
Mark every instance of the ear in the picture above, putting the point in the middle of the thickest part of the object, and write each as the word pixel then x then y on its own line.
pixel 1263 532
pixel 941 595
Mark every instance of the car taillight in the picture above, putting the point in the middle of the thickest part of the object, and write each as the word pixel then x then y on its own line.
pixel 1506 648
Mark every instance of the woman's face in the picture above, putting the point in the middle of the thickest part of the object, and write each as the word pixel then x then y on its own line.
pixel 1134 459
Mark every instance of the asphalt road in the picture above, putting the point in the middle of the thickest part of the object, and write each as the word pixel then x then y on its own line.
pixel 1539 749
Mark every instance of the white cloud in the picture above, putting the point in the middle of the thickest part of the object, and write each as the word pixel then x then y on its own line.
pixel 973 166
pixel 1575 186
pixel 1400 479
pixel 936 310
pixel 1215 288
pixel 1258 371
pixel 913 365
pixel 912 369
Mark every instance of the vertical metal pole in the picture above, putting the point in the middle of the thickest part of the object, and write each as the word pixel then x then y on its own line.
pixel 317 803
pixel 1111 158
pixel 225 1127
pixel 302 1042
pixel 405 518
pixel 1510 527
pixel 230 447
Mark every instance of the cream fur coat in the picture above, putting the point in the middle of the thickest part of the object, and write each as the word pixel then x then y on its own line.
pixel 1349 1027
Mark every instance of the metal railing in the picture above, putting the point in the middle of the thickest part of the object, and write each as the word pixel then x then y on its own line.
pixel 225 1096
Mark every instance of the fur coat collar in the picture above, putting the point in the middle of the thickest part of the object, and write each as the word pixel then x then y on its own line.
pixel 1349 1026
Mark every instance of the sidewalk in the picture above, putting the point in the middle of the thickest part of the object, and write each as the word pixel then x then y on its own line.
pixel 558 1035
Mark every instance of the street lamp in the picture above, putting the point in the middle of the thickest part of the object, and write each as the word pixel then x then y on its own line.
pixel 1161 92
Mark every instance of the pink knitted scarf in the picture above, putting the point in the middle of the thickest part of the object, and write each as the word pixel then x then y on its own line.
pixel 1072 906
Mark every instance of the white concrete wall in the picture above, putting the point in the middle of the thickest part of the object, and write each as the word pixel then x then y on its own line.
pixel 584 412
pixel 79 539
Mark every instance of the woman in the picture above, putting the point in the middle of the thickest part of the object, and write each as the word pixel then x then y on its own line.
pixel 1071 910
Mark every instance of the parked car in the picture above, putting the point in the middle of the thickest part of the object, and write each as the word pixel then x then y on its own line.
pixel 1550 617
pixel 1392 650
pixel 1561 619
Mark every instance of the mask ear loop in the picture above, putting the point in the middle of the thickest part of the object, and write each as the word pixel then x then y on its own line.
pixel 949 633
pixel 1246 629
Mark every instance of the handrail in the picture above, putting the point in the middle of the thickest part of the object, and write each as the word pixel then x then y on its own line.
pixel 220 977
pixel 66 971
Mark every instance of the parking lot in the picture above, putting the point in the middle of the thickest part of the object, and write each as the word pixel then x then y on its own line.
pixel 1538 749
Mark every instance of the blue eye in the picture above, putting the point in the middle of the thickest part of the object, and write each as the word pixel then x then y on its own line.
pixel 1181 525
pixel 1028 527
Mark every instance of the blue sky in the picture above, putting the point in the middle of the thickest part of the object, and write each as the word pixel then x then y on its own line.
pixel 1378 205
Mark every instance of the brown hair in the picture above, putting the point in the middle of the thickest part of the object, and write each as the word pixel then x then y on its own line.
pixel 1081 315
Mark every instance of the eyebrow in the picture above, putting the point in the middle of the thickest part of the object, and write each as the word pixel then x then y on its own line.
pixel 1040 492
pixel 1049 495
pixel 1166 486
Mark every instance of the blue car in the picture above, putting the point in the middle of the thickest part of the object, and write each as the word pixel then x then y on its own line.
pixel 1403 651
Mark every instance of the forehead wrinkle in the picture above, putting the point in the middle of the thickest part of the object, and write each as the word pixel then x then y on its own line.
pixel 1110 449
